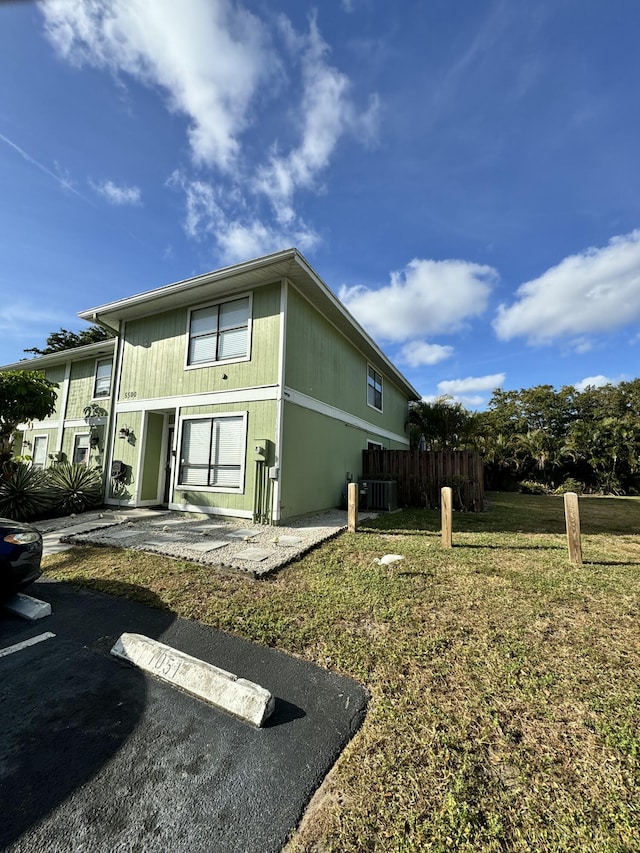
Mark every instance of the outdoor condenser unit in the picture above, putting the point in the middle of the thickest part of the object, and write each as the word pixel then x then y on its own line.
pixel 378 495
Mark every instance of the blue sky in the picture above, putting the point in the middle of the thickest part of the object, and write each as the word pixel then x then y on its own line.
pixel 464 175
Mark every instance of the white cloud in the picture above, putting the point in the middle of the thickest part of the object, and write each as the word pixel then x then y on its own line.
pixel 427 297
pixel 220 65
pixel 471 391
pixel 595 291
pixel 327 114
pixel 471 384
pixel 208 56
pixel 203 213
pixel 418 353
pixel 241 240
pixel 29 323
pixel 118 195
pixel 594 382
pixel 238 236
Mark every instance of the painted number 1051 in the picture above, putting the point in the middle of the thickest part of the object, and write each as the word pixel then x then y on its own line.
pixel 164 664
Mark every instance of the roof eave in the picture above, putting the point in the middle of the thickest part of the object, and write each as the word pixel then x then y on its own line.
pixel 283 264
pixel 62 356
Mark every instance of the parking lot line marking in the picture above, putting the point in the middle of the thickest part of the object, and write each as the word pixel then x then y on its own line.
pixel 25 644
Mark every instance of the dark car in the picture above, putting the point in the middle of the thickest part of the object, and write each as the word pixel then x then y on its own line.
pixel 20 555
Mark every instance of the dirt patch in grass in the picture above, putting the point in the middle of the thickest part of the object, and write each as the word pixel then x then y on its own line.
pixel 505 682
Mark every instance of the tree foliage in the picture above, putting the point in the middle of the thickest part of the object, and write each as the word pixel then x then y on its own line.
pixel 25 395
pixel 548 436
pixel 441 425
pixel 64 339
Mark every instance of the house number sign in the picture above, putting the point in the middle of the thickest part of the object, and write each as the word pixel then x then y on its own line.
pixel 129 395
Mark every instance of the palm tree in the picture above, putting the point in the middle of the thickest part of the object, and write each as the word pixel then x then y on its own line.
pixel 441 425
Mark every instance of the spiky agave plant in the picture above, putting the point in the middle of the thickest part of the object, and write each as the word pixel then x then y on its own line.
pixel 74 488
pixel 24 493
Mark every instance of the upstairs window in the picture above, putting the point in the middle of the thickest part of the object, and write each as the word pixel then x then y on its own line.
pixel 374 388
pixel 219 332
pixel 102 387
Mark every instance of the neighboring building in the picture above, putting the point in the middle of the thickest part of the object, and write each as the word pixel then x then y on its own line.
pixel 77 430
pixel 249 391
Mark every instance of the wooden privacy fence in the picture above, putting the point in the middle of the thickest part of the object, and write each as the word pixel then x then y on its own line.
pixel 422 474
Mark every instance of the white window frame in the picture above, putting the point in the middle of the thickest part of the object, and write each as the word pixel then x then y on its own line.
pixel 35 438
pixel 246 357
pixel 76 436
pixel 377 372
pixel 106 396
pixel 234 490
pixel 374 445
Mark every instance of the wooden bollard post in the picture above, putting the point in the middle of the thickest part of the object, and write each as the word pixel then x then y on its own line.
pixel 572 521
pixel 352 507
pixel 447 520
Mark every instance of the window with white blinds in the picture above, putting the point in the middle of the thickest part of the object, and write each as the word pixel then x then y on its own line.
pixel 81 448
pixel 212 452
pixel 219 332
pixel 39 457
pixel 103 379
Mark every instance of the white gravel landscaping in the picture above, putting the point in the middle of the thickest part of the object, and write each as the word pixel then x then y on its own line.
pixel 233 544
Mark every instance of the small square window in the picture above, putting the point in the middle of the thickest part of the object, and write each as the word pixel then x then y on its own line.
pixel 374 388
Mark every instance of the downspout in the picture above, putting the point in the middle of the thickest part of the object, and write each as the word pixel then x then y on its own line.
pixel 110 427
pixel 282 354
pixel 63 407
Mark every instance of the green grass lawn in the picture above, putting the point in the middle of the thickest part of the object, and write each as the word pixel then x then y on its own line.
pixel 505 681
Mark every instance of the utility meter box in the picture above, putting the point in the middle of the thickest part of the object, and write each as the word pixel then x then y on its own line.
pixel 260 446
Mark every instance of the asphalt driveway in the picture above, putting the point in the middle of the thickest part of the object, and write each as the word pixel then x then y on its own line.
pixel 96 755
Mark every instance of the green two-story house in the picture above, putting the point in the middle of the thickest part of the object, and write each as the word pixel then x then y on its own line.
pixel 249 391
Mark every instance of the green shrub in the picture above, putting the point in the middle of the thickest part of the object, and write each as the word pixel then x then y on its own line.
pixel 24 494
pixel 570 485
pixel 531 487
pixel 74 488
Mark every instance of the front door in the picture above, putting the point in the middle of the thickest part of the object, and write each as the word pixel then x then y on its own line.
pixel 168 458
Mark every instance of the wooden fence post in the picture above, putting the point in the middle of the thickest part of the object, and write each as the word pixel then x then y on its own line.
pixel 572 521
pixel 352 507
pixel 446 511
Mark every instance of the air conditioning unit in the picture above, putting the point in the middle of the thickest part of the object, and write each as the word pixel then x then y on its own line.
pixel 378 495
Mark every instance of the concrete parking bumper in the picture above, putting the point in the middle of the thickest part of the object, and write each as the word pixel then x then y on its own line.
pixel 237 696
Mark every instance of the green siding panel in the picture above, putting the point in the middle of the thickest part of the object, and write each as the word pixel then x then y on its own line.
pixel 154 354
pixel 323 364
pixel 81 385
pixel 127 450
pixel 56 375
pixel 320 452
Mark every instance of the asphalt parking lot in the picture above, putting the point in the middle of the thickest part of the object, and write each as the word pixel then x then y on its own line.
pixel 97 755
